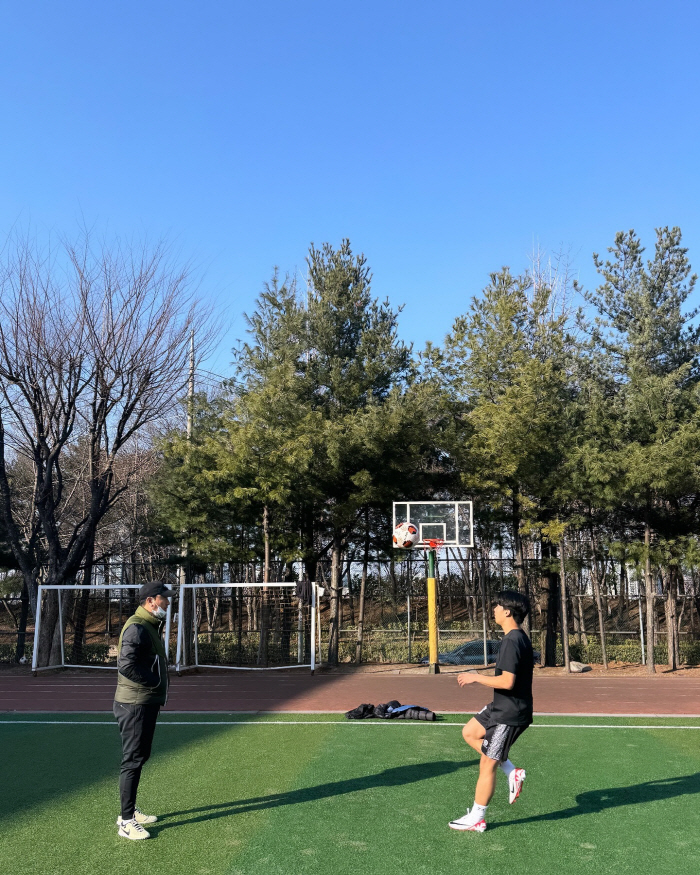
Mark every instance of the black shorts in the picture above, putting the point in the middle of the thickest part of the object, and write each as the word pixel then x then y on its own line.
pixel 499 737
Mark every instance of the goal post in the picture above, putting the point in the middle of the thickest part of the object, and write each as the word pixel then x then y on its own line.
pixel 88 622
pixel 246 626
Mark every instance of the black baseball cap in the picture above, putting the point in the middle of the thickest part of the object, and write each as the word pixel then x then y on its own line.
pixel 154 588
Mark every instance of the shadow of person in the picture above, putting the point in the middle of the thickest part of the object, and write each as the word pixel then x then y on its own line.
pixel 395 777
pixel 594 801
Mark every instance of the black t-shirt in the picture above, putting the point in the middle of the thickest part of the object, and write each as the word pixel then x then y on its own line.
pixel 514 707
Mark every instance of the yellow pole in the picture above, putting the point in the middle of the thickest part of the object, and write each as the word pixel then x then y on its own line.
pixel 434 666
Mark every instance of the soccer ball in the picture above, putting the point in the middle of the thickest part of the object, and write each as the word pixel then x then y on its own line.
pixel 405 536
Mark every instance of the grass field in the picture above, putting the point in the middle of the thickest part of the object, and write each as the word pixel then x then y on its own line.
pixel 315 794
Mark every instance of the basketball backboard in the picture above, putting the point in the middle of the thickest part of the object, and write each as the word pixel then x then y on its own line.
pixel 448 521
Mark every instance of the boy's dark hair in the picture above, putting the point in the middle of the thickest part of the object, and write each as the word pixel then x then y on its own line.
pixel 515 602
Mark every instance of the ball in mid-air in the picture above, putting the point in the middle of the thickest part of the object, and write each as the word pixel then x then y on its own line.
pixel 405 535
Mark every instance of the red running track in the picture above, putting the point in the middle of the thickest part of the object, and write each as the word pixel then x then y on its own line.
pixel 324 692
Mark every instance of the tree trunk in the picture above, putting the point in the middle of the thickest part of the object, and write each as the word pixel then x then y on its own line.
pixel 575 617
pixel 650 593
pixel 334 621
pixel 49 621
pixel 351 595
pixel 671 610
pixel 582 620
pixel 185 609
pixel 520 556
pixel 622 599
pixel 50 633
pixel 83 606
pixel 363 583
pixel 22 625
pixel 598 601
pixel 684 604
pixel 564 612
pixel 264 606
pixel 548 655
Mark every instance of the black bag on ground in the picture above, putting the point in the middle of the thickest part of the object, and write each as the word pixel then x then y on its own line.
pixel 362 712
pixel 386 709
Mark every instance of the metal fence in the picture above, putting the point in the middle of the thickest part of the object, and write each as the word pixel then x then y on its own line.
pixel 396 610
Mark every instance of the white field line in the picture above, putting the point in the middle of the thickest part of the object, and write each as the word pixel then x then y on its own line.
pixel 329 723
pixel 603 715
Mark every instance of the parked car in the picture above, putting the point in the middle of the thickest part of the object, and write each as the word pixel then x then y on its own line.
pixel 472 653
pixel 469 653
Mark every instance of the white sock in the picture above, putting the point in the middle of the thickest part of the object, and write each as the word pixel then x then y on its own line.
pixel 478 813
pixel 507 767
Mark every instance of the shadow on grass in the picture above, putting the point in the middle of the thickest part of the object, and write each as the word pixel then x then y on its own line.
pixel 44 764
pixel 398 776
pixel 595 801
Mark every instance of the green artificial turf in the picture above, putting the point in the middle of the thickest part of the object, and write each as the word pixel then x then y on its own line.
pixel 249 794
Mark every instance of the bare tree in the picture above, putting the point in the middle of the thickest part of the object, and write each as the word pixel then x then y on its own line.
pixel 93 348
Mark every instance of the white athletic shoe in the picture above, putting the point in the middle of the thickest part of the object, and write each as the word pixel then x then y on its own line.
pixel 515 783
pixel 140 817
pixel 132 829
pixel 467 823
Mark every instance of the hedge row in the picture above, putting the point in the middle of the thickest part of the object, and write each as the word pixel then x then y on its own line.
pixel 628 651
pixel 93 654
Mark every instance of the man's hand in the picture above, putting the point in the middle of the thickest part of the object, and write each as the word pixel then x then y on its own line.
pixel 467 677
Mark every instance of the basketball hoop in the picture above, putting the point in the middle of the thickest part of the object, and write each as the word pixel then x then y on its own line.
pixel 433 544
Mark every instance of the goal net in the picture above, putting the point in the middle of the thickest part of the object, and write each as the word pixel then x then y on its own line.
pixel 84 623
pixel 245 626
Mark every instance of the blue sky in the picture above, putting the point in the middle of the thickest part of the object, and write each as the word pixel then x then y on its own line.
pixel 445 139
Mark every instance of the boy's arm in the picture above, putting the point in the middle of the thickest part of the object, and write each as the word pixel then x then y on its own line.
pixel 505 681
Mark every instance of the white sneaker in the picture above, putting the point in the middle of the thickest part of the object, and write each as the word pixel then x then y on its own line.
pixel 132 829
pixel 515 784
pixel 140 817
pixel 467 823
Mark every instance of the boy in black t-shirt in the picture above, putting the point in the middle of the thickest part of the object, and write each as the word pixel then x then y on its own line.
pixel 495 728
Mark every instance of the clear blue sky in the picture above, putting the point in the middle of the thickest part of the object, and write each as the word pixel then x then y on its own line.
pixel 445 139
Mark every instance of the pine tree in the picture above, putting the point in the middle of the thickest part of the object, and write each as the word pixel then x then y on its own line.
pixel 649 351
pixel 507 360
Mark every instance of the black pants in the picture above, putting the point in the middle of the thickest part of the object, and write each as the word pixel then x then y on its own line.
pixel 137 723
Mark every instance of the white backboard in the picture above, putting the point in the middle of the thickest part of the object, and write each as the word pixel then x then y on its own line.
pixel 451 522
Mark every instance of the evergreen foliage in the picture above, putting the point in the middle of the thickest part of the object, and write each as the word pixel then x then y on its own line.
pixel 579 432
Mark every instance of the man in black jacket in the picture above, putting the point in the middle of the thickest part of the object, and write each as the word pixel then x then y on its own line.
pixel 142 688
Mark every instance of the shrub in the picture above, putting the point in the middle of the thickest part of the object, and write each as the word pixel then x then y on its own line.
pixel 690 652
pixel 7 652
pixel 223 649
pixel 377 648
pixel 95 654
pixel 627 651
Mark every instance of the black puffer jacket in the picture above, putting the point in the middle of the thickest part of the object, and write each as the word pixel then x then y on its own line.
pixel 142 677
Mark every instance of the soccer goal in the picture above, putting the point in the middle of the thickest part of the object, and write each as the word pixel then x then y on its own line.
pixel 86 623
pixel 246 626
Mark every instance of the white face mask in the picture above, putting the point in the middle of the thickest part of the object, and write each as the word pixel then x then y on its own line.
pixel 158 612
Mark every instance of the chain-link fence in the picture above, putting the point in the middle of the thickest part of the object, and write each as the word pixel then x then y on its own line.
pixel 15 645
pixel 97 618
pixel 396 610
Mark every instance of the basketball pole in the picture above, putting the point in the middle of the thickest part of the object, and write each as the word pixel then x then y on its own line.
pixel 434 665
